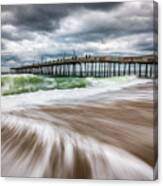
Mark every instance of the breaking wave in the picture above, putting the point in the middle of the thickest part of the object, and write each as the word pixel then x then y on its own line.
pixel 16 84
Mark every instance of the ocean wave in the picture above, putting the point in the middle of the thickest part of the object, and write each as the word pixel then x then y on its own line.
pixel 17 84
pixel 34 148
pixel 25 83
pixel 93 88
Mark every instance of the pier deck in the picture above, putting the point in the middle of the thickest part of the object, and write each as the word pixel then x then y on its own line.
pixel 95 66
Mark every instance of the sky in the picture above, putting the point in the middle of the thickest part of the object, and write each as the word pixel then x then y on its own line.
pixel 35 33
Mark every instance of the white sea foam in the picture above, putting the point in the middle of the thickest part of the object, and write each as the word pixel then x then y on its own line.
pixel 105 161
pixel 97 86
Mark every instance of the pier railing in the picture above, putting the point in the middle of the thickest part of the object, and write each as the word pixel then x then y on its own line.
pixel 106 66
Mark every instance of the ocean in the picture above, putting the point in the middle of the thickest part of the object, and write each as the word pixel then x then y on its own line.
pixel 100 128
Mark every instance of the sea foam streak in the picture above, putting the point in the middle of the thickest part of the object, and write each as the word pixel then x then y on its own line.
pixel 57 152
pixel 36 143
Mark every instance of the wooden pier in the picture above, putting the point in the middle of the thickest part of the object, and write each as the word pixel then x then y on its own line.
pixel 95 66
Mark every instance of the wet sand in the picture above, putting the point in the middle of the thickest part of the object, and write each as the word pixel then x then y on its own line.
pixel 94 138
pixel 128 125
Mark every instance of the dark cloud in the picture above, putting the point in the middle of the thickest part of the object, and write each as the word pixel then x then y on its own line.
pixel 46 17
pixel 30 27
pixel 144 44
pixel 113 27
pixel 16 36
pixel 105 32
pixel 42 18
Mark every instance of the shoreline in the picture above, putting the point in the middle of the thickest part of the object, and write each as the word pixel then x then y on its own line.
pixel 75 136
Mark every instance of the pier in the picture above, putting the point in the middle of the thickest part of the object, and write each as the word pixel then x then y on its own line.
pixel 95 66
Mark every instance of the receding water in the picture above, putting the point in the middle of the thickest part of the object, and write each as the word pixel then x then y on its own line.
pixel 102 129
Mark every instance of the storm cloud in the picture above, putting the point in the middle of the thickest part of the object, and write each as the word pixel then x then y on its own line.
pixel 49 30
